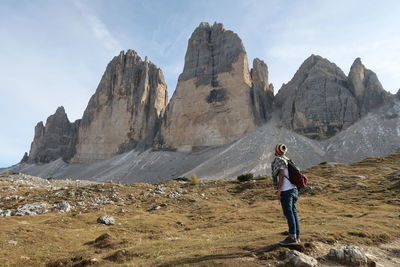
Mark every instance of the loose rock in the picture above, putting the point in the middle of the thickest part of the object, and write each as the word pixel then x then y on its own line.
pixel 31 209
pixel 106 219
pixel 62 206
pixel 5 213
pixel 299 259
pixel 350 255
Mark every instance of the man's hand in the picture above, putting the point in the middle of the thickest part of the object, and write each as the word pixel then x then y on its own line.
pixel 278 195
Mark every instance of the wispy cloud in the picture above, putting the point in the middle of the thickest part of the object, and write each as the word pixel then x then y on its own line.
pixel 98 28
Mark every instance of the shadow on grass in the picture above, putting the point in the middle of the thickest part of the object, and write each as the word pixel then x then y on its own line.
pixel 205 258
pixel 276 250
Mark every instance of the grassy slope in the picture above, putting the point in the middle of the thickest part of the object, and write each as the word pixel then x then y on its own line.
pixel 220 222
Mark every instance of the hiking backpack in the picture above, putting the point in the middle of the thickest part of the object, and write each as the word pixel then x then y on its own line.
pixel 295 176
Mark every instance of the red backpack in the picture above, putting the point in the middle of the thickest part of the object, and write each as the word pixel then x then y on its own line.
pixel 295 176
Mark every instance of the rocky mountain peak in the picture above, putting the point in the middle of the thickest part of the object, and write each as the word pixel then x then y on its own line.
pixel 357 77
pixel 262 92
pixel 366 87
pixel 316 101
pixel 60 111
pixel 53 140
pixel 259 75
pixel 211 50
pixel 320 100
pixel 213 91
pixel 124 112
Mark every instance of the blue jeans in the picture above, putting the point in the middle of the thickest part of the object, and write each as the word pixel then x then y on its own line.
pixel 288 202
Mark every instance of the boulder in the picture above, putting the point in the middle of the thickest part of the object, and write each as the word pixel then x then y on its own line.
pixel 298 259
pixel 349 255
pixel 31 209
pixel 62 206
pixel 106 219
pixel 5 213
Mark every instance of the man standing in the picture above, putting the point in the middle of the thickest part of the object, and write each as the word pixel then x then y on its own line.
pixel 287 193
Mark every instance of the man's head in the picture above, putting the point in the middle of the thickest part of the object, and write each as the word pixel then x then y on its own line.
pixel 280 149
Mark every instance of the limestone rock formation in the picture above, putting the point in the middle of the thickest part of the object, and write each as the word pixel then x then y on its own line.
pixel 367 89
pixel 212 104
pixel 125 110
pixel 24 158
pixel 320 100
pixel 316 102
pixel 53 140
pixel 262 92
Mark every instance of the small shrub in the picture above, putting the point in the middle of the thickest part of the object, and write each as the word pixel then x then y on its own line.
pixel 74 213
pixel 195 179
pixel 7 173
pixel 265 177
pixel 359 234
pixel 245 177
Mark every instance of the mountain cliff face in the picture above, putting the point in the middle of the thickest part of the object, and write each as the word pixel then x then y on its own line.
pixel 261 92
pixel 320 100
pixel 125 110
pixel 212 104
pixel 54 140
pixel 367 89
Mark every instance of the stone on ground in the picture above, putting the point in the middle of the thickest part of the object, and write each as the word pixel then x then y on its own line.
pixel 298 259
pixel 349 255
pixel 106 219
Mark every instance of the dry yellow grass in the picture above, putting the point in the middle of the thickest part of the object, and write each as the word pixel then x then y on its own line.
pixel 224 223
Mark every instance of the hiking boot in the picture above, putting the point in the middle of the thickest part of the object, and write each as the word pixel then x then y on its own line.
pixel 288 241
pixel 298 240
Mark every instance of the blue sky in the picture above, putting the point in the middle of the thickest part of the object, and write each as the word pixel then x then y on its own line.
pixel 54 53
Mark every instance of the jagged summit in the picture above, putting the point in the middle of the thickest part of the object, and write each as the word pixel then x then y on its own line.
pixel 211 50
pixel 316 101
pixel 262 92
pixel 125 110
pixel 366 87
pixel 53 140
pixel 320 100
pixel 213 101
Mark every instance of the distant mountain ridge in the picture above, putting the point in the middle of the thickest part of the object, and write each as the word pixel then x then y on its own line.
pixel 218 100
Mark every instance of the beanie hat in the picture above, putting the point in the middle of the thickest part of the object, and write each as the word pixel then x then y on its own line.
pixel 280 149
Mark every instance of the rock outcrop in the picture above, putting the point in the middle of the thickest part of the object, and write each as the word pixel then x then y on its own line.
pixel 53 140
pixel 367 89
pixel 320 100
pixel 124 112
pixel 262 92
pixel 25 158
pixel 316 102
pixel 212 104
